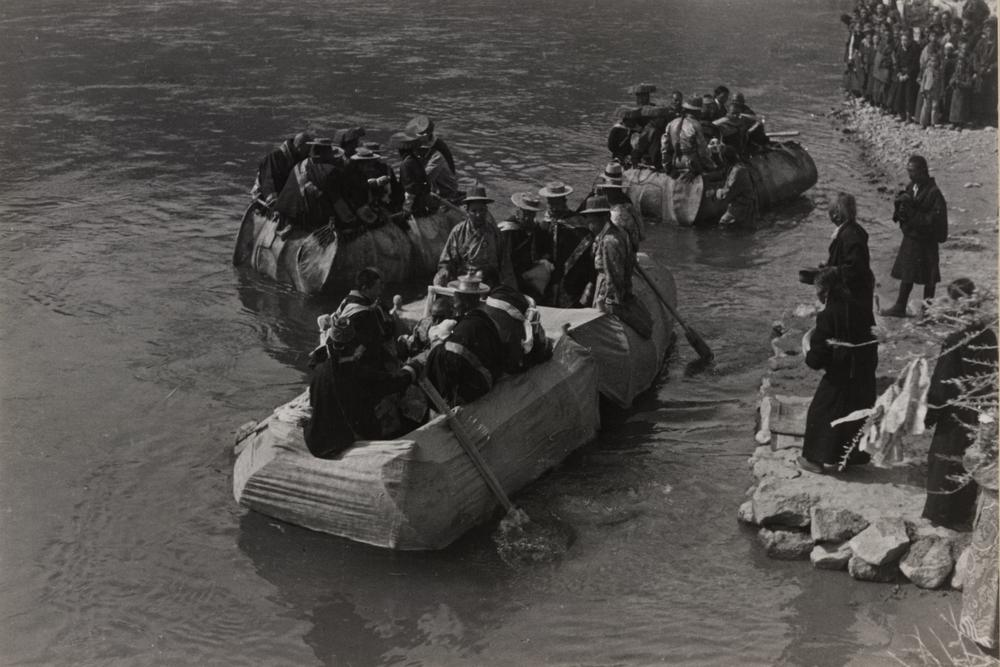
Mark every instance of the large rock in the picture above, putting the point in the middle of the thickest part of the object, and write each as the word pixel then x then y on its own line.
pixel 961 573
pixel 774 504
pixel 862 570
pixel 882 542
pixel 835 524
pixel 830 556
pixel 786 544
pixel 928 562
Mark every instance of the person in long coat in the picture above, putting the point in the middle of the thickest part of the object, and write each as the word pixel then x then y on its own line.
pixel 931 81
pixel 849 255
pixel 965 353
pixel 907 68
pixel 961 82
pixel 922 214
pixel 984 96
pixel 841 344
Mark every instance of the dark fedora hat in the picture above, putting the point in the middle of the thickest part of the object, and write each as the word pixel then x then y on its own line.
pixel 478 193
pixel 596 204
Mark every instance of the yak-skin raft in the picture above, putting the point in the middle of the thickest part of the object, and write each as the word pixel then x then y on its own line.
pixel 421 491
pixel 314 267
pixel 780 174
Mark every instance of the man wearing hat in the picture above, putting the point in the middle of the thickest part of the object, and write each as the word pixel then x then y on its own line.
pixel 623 214
pixel 521 333
pixel 274 169
pixel 572 251
pixel 528 245
pixel 684 148
pixel 412 176
pixel 466 365
pixel 614 259
pixel 439 163
pixel 374 326
pixel 475 245
pixel 314 194
pixel 351 399
pixel 382 190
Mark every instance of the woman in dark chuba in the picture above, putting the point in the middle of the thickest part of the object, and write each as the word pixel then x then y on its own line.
pixel 841 344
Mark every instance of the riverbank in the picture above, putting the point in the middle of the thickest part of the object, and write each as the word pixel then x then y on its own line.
pixel 867 520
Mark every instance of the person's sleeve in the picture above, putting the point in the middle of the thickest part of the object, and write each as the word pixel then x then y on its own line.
pixel 820 352
pixel 449 254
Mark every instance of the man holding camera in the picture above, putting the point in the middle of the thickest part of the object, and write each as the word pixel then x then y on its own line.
pixel 922 215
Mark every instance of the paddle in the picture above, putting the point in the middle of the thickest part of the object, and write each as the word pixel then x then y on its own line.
pixel 785 133
pixel 518 539
pixel 244 238
pixel 447 203
pixel 693 337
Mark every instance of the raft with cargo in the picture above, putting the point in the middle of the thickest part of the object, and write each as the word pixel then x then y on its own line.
pixel 422 491
pixel 318 263
pixel 779 174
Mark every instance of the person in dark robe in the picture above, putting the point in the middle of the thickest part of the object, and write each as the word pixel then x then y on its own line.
pixel 312 197
pixel 849 256
pixel 438 160
pixel 984 97
pixel 721 95
pixel 467 364
pixel 528 245
pixel 572 250
pixel 273 171
pixel 620 135
pixel 961 83
pixel 623 214
pixel 417 199
pixel 882 73
pixel 347 396
pixel 907 69
pixel 379 188
pixel 521 334
pixel 614 259
pixel 966 353
pixel 841 345
pixel 362 308
pixel 922 215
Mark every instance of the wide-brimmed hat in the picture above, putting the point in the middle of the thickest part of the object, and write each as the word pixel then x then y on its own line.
pixel 405 140
pixel 692 104
pixel 527 201
pixel 478 193
pixel 608 183
pixel 365 154
pixel 555 189
pixel 420 125
pixel 613 170
pixel 470 283
pixel 641 88
pixel 596 204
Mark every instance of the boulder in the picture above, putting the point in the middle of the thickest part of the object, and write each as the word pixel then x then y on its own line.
pixel 961 573
pixel 774 505
pixel 745 513
pixel 830 556
pixel 882 542
pixel 786 544
pixel 834 524
pixel 862 570
pixel 928 562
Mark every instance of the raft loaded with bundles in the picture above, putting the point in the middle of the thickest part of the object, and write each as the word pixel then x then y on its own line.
pixel 781 173
pixel 319 262
pixel 422 491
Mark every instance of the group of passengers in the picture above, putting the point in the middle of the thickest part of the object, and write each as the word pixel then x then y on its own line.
pixel 923 65
pixel 710 136
pixel 344 183
pixel 483 320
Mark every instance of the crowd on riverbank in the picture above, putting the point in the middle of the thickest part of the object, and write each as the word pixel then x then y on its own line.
pixel 922 64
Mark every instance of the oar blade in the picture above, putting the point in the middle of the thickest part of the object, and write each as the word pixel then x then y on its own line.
pixel 699 344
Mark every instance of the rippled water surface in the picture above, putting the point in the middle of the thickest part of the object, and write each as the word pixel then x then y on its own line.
pixel 131 350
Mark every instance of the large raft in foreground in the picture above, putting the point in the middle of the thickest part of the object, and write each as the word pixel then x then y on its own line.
pixel 316 267
pixel 421 491
pixel 779 174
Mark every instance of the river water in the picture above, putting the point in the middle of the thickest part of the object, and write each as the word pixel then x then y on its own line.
pixel 131 350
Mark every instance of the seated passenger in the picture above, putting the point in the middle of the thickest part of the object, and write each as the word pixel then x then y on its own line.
pixel 375 328
pixel 467 364
pixel 475 245
pixel 684 147
pixel 756 136
pixel 274 169
pixel 621 133
pixel 374 180
pixel 350 399
pixel 623 213
pixel 349 139
pixel 572 252
pixel 721 100
pixel 528 246
pixel 709 114
pixel 520 329
pixel 438 161
pixel 556 203
pixel 429 331
pixel 417 199
pixel 312 197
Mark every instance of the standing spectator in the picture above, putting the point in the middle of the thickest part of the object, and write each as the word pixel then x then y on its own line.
pixel 849 256
pixel 984 96
pixel 907 68
pixel 931 80
pixel 968 352
pixel 922 215
pixel 961 86
pixel 947 70
pixel 841 344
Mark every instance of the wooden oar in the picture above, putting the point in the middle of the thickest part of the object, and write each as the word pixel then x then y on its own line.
pixel 693 337
pixel 785 133
pixel 448 203
pixel 244 238
pixel 465 439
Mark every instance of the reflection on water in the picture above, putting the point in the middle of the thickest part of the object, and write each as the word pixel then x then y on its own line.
pixel 132 350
